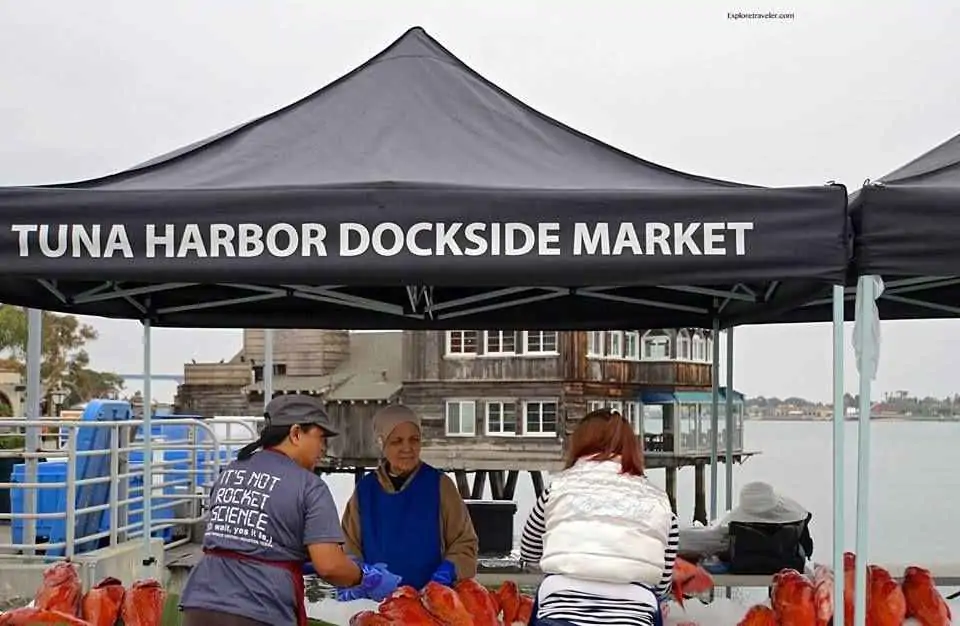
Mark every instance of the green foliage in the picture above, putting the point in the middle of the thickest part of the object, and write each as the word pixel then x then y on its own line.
pixel 65 363
pixel 12 442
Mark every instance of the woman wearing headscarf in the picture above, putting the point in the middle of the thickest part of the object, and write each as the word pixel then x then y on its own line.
pixel 268 515
pixel 604 535
pixel 407 514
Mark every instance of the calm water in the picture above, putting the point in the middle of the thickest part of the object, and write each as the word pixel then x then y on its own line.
pixel 914 485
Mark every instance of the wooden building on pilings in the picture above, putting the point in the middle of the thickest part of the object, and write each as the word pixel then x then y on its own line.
pixel 495 403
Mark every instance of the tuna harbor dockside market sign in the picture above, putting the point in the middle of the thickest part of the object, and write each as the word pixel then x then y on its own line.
pixel 341 251
pixel 423 236
pixel 387 239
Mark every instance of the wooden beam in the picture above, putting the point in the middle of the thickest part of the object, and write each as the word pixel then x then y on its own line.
pixel 671 485
pixel 537 478
pixel 496 485
pixel 479 484
pixel 510 489
pixel 463 485
pixel 700 493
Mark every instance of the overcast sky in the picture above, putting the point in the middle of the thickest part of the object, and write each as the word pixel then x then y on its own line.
pixel 845 91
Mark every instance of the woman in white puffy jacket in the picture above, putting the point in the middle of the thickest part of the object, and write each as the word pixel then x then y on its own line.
pixel 604 535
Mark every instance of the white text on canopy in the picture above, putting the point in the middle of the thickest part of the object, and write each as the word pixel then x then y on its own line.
pixel 387 239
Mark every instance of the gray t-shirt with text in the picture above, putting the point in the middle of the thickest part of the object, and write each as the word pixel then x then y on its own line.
pixel 269 508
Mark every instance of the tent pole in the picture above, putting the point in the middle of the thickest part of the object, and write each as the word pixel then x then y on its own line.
pixel 729 422
pixel 147 430
pixel 839 410
pixel 714 418
pixel 865 287
pixel 32 441
pixel 267 367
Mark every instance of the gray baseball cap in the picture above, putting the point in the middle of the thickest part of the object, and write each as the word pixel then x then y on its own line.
pixel 290 409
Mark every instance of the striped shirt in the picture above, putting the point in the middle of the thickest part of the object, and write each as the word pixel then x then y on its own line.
pixel 588 602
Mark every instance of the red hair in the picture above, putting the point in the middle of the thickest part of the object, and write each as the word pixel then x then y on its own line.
pixel 604 435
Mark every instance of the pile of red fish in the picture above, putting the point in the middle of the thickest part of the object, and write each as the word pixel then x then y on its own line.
pixel 60 600
pixel 468 603
pixel 799 601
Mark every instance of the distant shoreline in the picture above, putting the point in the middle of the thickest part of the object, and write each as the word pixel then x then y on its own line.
pixel 875 418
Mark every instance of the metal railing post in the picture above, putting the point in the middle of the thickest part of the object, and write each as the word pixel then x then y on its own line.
pixel 194 474
pixel 123 485
pixel 114 484
pixel 71 514
pixel 32 438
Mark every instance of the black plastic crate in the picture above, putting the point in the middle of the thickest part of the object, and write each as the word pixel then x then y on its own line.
pixel 493 521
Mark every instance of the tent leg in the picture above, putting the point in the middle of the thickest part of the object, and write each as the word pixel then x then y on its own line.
pixel 865 287
pixel 839 424
pixel 729 422
pixel 32 441
pixel 728 461
pixel 147 430
pixel 714 419
pixel 267 367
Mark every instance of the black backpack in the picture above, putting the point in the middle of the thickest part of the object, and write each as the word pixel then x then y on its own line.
pixel 758 549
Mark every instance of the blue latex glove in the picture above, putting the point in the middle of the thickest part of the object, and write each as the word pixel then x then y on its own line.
pixel 347 594
pixel 378 583
pixel 446 574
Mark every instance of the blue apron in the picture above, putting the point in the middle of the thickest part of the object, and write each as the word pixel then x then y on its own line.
pixel 546 621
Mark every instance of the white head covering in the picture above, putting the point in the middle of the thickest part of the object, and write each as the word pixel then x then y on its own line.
pixel 391 416
pixel 760 503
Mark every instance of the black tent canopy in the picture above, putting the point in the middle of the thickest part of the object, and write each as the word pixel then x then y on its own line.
pixel 906 230
pixel 414 193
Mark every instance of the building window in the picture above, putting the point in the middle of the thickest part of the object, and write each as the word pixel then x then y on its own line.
pixel 701 348
pixel 683 345
pixel 540 342
pixel 279 369
pixel 462 342
pixel 615 338
pixel 501 418
pixel 540 418
pixel 631 345
pixel 500 342
pixel 656 347
pixel 595 343
pixel 629 410
pixel 461 418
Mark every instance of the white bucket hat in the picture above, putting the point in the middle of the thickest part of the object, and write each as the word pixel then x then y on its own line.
pixel 760 504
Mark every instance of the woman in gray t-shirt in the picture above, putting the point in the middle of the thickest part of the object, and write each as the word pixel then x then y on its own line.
pixel 269 514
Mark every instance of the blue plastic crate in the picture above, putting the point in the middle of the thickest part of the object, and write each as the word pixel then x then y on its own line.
pixel 48 500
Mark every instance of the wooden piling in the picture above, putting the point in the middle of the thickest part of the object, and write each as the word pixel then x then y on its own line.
pixel 479 484
pixel 537 477
pixel 700 493
pixel 671 485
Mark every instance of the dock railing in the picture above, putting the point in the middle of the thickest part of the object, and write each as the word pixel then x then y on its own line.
pixel 56 512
